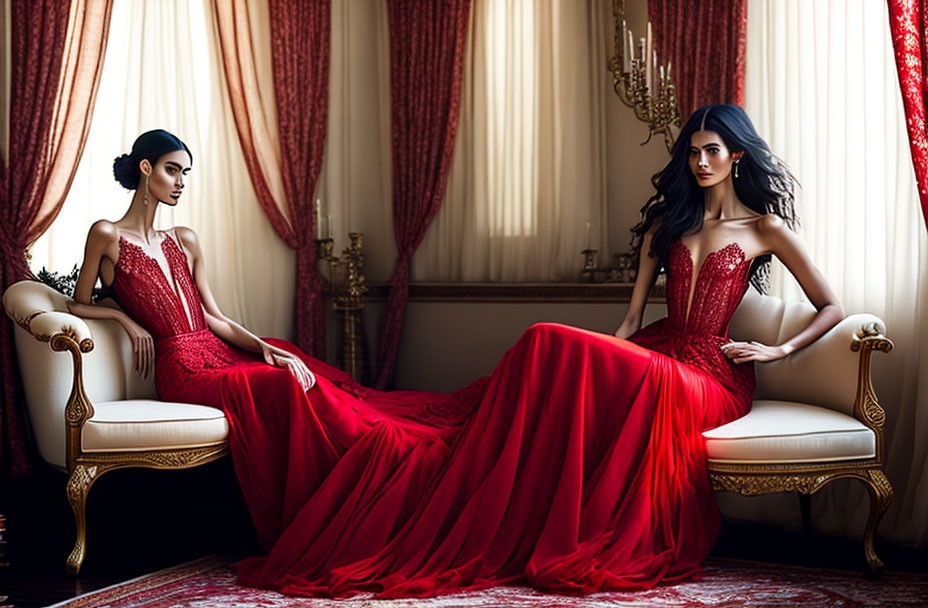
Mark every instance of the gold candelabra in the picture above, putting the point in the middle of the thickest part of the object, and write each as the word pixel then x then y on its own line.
pixel 641 82
pixel 346 280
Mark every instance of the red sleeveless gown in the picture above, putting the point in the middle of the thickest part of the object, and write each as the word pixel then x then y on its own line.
pixel 577 466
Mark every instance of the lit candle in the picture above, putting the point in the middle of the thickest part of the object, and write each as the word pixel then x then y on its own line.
pixel 661 89
pixel 669 65
pixel 625 48
pixel 318 218
pixel 589 242
pixel 631 49
pixel 654 88
pixel 649 49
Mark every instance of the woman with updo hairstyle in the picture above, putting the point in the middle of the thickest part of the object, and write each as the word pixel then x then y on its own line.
pixel 577 466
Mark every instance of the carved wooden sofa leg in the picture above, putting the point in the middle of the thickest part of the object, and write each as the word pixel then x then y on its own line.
pixel 79 483
pixel 881 495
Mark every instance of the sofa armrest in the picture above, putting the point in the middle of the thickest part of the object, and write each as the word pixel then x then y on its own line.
pixel 870 337
pixel 42 312
pixel 45 325
pixel 824 373
pixel 39 310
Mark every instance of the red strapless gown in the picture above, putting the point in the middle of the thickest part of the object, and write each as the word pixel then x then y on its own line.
pixel 577 466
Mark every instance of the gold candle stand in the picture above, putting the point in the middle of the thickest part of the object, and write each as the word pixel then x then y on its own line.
pixel 346 280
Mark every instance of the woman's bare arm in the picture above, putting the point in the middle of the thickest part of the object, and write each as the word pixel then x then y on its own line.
pixel 103 242
pixel 785 244
pixel 644 281
pixel 229 330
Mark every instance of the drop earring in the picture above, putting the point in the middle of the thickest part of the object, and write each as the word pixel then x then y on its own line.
pixel 145 200
pixel 737 162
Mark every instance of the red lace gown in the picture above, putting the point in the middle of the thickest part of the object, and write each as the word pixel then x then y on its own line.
pixel 577 466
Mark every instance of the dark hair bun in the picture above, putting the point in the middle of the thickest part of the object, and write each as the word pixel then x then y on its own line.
pixel 126 171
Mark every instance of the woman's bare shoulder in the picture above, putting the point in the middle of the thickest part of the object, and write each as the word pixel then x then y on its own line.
pixel 102 234
pixel 187 237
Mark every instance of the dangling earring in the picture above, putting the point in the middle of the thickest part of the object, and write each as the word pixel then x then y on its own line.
pixel 145 200
pixel 737 162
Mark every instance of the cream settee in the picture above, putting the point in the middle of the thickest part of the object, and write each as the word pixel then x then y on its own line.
pixel 92 412
pixel 815 417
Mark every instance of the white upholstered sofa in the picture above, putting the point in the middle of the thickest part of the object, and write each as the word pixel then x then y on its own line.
pixel 92 412
pixel 815 417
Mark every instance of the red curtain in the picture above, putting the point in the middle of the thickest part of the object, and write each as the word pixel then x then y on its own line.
pixel 427 40
pixel 300 61
pixel 908 22
pixel 706 41
pixel 53 84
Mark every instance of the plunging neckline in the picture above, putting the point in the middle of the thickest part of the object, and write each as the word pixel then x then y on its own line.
pixel 696 272
pixel 166 273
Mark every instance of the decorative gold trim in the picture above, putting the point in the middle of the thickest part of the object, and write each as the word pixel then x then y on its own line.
pixel 881 495
pixel 25 321
pixel 78 409
pixel 82 477
pixel 867 408
pixel 183 458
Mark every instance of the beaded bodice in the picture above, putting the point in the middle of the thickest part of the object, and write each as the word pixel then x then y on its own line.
pixel 163 301
pixel 698 314
pixel 721 281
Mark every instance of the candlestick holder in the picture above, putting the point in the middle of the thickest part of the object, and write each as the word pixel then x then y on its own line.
pixel 588 273
pixel 347 287
pixel 641 82
pixel 622 270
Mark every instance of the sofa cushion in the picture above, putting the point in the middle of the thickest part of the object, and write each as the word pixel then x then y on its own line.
pixel 784 431
pixel 143 424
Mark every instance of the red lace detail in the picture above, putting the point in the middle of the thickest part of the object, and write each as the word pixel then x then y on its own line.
pixel 183 355
pixel 720 285
pixel 696 339
pixel 144 292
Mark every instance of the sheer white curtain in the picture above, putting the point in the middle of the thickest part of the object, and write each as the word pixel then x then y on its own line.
pixel 822 90
pixel 528 173
pixel 354 186
pixel 162 70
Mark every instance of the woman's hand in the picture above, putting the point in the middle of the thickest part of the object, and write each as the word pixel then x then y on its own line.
pixel 143 348
pixel 740 352
pixel 281 358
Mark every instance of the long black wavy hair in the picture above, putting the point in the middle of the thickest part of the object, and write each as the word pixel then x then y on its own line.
pixel 764 184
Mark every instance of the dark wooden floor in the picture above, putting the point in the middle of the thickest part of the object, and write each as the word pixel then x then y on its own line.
pixel 141 521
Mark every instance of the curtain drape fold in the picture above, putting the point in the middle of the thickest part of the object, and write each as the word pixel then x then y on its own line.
pixel 285 177
pixel 56 54
pixel 426 58
pixel 705 40
pixel 908 22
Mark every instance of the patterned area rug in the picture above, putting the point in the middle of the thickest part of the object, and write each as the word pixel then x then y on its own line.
pixel 210 581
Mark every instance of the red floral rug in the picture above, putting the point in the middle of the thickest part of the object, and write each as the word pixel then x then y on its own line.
pixel 210 581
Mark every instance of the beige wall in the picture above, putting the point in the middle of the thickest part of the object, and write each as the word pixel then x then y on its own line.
pixel 445 345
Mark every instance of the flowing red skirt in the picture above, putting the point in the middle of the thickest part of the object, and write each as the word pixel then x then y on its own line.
pixel 577 466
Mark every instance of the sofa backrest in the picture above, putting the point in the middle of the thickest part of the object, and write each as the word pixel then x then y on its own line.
pixel 108 373
pixel 823 373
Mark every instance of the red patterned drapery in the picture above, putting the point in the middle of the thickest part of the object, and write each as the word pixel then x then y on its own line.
pixel 908 23
pixel 427 41
pixel 56 58
pixel 300 34
pixel 706 41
